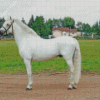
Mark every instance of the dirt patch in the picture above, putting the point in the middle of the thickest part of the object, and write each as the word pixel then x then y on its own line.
pixel 49 87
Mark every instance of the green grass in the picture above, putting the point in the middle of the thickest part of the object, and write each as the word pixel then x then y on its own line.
pixel 90 51
pixel 11 62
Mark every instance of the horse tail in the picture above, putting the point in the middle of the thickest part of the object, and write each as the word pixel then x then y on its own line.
pixel 77 63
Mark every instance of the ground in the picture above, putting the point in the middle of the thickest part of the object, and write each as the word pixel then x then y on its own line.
pixel 49 86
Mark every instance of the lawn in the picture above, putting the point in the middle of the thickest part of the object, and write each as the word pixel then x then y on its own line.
pixel 11 62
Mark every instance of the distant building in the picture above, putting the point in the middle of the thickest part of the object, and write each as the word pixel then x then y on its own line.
pixel 64 31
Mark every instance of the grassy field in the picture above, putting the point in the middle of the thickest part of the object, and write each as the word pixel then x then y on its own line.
pixel 11 62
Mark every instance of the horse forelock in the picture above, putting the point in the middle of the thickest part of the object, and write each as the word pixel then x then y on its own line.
pixel 25 28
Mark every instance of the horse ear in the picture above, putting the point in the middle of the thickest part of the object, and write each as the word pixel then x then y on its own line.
pixel 9 18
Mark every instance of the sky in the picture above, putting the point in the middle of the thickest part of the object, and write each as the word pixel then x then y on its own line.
pixel 86 11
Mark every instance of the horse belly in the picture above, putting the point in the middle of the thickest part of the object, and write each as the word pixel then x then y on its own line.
pixel 43 58
pixel 44 54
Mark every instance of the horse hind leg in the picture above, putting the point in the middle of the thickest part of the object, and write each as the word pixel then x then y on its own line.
pixel 71 67
pixel 74 85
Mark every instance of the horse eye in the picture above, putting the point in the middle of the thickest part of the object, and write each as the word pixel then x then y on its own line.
pixel 7 24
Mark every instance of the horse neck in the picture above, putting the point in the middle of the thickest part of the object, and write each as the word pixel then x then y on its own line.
pixel 22 32
pixel 25 28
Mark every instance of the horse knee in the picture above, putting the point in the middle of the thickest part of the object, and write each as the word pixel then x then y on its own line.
pixel 72 70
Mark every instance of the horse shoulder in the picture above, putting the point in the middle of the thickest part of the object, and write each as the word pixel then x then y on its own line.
pixel 25 49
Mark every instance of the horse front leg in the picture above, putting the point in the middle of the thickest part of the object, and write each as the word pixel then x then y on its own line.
pixel 29 73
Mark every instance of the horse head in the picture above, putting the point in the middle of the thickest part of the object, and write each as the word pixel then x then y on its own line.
pixel 6 28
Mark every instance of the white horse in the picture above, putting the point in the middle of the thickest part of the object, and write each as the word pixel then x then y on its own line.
pixel 33 48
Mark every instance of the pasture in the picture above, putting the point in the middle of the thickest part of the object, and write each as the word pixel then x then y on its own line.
pixel 50 86
pixel 11 62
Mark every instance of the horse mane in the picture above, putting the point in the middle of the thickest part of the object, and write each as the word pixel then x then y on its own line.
pixel 25 27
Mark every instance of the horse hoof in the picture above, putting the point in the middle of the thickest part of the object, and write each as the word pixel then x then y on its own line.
pixel 28 88
pixel 74 87
pixel 69 88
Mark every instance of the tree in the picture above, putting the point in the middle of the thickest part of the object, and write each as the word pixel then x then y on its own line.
pixel 87 29
pixel 31 21
pixel 49 26
pixel 57 23
pixel 60 22
pixel 79 25
pixel 39 26
pixel 69 22
pixel 96 28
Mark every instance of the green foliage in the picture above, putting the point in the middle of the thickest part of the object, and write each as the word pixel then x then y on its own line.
pixel 31 21
pixel 69 22
pixel 79 26
pixel 87 29
pixel 96 28
pixel 49 27
pixel 39 26
pixel 57 23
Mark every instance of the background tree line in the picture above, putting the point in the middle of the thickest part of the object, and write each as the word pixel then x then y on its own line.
pixel 44 28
